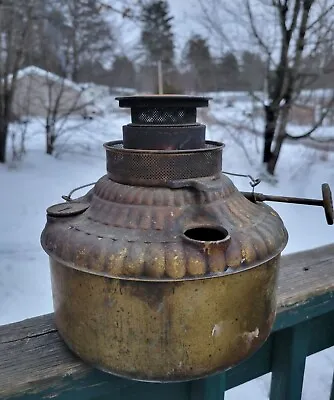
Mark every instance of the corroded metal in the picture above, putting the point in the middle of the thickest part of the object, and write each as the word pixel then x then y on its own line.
pixel 326 202
pixel 164 331
pixel 156 168
pixel 164 137
pixel 162 102
pixel 163 122
pixel 127 230
pixel 170 272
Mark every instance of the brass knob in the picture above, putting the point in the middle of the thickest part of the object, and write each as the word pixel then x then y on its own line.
pixel 328 203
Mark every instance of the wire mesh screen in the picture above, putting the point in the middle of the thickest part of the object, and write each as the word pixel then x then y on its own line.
pixel 163 116
pixel 149 167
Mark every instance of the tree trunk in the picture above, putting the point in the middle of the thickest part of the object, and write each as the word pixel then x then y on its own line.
pixel 3 140
pixel 74 75
pixel 275 154
pixel 269 132
pixel 50 139
pixel 281 136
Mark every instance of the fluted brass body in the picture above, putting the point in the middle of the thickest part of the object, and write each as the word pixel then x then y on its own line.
pixel 134 296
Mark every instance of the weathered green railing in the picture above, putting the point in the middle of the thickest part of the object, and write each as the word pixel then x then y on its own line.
pixel 35 364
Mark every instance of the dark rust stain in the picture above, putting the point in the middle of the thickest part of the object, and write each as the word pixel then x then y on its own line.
pixel 153 294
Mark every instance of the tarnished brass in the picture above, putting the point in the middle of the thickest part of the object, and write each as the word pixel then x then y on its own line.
pixel 164 331
pixel 137 232
pixel 164 283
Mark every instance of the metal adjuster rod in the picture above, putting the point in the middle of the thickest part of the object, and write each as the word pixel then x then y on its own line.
pixel 326 202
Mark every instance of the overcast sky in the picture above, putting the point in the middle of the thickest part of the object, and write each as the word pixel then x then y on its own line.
pixel 184 12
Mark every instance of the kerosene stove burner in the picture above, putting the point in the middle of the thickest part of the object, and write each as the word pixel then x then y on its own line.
pixel 164 271
pixel 163 122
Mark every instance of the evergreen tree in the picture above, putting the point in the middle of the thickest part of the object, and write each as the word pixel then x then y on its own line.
pixel 157 37
pixel 123 72
pixel 252 71
pixel 199 64
pixel 228 72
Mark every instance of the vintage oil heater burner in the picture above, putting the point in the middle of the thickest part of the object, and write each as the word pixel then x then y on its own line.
pixel 164 271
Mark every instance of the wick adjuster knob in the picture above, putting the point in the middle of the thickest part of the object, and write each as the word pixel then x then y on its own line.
pixel 326 202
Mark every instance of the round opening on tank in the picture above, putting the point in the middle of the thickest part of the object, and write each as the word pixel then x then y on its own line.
pixel 204 234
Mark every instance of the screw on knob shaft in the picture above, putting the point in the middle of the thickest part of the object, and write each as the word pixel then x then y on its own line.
pixel 326 202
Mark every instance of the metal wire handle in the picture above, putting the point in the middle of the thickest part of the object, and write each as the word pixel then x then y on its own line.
pixel 68 197
pixel 326 202
pixel 253 181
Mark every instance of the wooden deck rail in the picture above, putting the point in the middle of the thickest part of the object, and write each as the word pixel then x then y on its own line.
pixel 35 364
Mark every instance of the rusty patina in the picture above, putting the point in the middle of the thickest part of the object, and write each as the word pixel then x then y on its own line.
pixel 160 330
pixel 164 282
pixel 135 232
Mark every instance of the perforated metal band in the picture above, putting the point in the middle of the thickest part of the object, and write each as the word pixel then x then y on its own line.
pixel 155 168
pixel 163 116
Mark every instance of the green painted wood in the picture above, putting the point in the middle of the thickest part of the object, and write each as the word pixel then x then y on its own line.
pixel 211 388
pixel 153 391
pixel 257 365
pixel 321 337
pixel 95 385
pixel 35 364
pixel 290 348
pixel 308 309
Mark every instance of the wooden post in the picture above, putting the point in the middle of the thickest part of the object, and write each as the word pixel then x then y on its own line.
pixel 211 388
pixel 160 78
pixel 289 354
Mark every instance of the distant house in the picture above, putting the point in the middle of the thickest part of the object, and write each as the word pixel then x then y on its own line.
pixel 301 114
pixel 122 91
pixel 95 92
pixel 38 91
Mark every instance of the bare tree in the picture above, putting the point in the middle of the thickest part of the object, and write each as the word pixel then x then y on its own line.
pixel 18 135
pixel 21 106
pixel 57 102
pixel 62 104
pixel 60 107
pixel 16 28
pixel 32 29
pixel 86 35
pixel 288 35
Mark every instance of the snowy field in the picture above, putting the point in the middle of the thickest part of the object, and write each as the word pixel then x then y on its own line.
pixel 28 188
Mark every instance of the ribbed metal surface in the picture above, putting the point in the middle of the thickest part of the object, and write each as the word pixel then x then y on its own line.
pixel 136 233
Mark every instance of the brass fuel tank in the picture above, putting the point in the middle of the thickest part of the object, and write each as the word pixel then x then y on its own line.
pixel 164 271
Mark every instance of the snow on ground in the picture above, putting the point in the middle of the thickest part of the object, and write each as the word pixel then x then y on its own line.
pixel 40 180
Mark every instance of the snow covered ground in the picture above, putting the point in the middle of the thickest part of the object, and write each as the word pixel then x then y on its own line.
pixel 29 188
